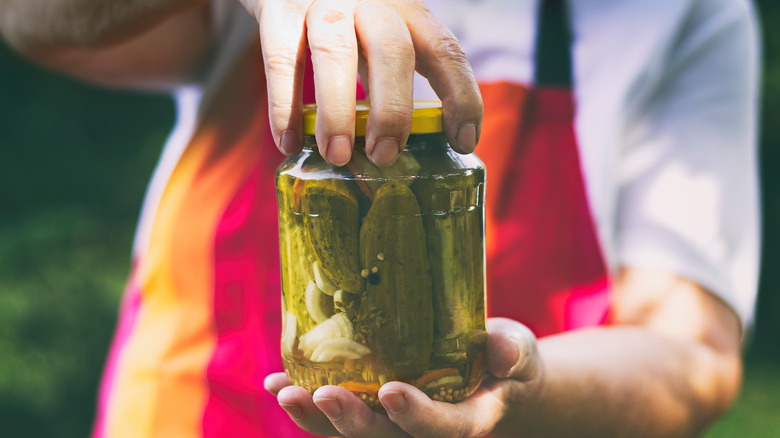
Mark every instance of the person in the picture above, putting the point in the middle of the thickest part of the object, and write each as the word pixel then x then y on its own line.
pixel 619 138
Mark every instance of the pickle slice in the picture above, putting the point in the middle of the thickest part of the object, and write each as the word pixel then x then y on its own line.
pixel 398 291
pixel 331 219
pixel 444 382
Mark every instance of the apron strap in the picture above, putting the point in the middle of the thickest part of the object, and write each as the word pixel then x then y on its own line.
pixel 553 45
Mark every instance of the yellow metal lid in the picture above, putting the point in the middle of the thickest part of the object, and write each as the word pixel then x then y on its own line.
pixel 426 118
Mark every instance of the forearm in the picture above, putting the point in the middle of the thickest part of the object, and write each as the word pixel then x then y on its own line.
pixel 153 44
pixel 626 381
pixel 40 27
pixel 668 366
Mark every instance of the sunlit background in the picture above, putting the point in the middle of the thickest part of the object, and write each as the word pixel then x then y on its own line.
pixel 74 163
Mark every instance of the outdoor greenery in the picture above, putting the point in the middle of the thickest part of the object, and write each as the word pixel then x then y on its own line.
pixel 74 163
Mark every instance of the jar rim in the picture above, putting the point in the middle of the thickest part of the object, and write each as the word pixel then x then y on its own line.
pixel 426 117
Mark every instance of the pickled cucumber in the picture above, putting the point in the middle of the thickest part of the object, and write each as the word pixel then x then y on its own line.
pixel 296 256
pixel 393 252
pixel 331 219
pixel 454 239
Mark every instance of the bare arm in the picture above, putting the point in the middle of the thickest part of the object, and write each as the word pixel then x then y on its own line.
pixel 667 366
pixel 138 43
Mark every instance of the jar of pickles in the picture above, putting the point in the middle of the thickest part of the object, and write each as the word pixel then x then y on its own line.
pixel 383 267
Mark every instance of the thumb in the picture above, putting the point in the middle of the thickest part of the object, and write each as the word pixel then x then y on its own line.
pixel 511 350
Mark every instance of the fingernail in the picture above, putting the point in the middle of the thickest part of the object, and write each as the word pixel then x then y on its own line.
pixel 393 401
pixel 339 150
pixel 294 411
pixel 467 137
pixel 289 143
pixel 516 354
pixel 330 406
pixel 385 152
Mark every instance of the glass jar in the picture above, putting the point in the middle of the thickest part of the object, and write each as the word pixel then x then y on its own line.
pixel 383 268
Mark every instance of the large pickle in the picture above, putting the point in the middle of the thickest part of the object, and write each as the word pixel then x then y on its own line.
pixel 332 220
pixel 394 256
pixel 453 227
pixel 296 256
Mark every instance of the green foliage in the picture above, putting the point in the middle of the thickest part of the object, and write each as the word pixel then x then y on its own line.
pixel 60 279
pixel 756 412
pixel 74 163
pixel 768 315
pixel 770 17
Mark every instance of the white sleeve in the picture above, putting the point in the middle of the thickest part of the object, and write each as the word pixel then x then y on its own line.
pixel 688 185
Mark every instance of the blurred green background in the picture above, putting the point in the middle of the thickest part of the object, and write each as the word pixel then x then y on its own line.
pixel 74 163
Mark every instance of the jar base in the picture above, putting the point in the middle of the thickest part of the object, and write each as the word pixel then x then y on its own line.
pixel 363 378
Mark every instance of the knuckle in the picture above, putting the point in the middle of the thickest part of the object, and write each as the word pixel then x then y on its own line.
pixel 448 48
pixel 442 51
pixel 395 114
pixel 385 33
pixel 397 50
pixel 279 111
pixel 467 106
pixel 411 8
pixel 280 61
pixel 329 14
pixel 335 45
pixel 464 103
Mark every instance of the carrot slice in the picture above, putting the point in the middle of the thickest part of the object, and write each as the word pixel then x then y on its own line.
pixel 368 388
pixel 430 376
pixel 360 182
pixel 297 192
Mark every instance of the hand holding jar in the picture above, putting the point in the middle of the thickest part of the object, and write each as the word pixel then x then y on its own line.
pixel 383 284
pixel 388 40
pixel 515 377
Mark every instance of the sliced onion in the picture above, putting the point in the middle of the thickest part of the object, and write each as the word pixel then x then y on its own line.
pixel 317 303
pixel 339 348
pixel 322 280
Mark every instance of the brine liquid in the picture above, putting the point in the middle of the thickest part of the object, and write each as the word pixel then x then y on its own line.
pixel 383 280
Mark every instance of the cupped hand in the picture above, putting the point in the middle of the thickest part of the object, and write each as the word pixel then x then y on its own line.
pixel 514 376
pixel 389 39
